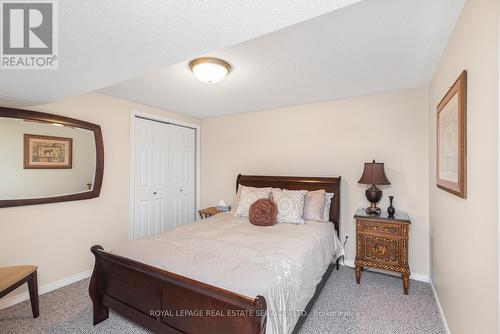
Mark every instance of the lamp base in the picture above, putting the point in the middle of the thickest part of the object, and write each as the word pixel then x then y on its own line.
pixel 373 195
pixel 373 211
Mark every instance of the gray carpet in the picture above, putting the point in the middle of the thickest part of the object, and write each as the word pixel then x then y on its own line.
pixel 377 306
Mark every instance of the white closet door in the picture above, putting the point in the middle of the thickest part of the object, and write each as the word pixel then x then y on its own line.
pixel 164 177
pixel 150 188
pixel 181 174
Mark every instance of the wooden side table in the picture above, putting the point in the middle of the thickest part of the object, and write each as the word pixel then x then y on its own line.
pixel 382 242
pixel 208 212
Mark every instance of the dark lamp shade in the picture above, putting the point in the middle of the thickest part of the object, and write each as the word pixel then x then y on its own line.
pixel 374 174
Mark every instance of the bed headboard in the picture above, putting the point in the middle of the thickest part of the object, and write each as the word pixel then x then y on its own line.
pixel 330 184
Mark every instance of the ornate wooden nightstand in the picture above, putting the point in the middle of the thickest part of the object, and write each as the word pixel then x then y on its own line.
pixel 382 242
pixel 208 212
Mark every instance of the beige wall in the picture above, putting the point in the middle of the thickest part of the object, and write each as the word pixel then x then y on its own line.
pixel 330 139
pixel 57 237
pixel 464 243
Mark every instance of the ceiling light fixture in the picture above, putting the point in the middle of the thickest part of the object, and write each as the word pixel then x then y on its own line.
pixel 209 70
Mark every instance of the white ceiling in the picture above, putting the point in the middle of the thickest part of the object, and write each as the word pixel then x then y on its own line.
pixel 105 42
pixel 372 46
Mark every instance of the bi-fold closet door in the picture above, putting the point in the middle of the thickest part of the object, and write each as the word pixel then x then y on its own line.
pixel 164 176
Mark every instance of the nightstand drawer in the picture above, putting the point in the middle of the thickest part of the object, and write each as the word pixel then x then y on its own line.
pixel 378 227
pixel 381 249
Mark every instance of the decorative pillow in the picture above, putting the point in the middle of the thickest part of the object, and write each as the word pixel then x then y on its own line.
pixel 314 205
pixel 248 196
pixel 237 199
pixel 263 212
pixel 328 203
pixel 290 205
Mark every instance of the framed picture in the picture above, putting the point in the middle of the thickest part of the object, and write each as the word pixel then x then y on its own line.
pixel 451 159
pixel 47 152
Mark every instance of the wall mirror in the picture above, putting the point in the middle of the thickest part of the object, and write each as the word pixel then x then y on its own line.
pixel 48 158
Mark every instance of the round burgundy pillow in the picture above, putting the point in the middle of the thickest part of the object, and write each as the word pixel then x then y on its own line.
pixel 263 212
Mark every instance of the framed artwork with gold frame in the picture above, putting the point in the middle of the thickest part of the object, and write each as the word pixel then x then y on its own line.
pixel 47 152
pixel 451 138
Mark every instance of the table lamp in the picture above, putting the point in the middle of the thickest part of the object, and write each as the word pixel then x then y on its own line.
pixel 373 174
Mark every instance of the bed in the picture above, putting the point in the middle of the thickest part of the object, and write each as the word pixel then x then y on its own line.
pixel 221 275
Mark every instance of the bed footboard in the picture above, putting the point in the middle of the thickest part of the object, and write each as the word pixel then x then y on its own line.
pixel 165 302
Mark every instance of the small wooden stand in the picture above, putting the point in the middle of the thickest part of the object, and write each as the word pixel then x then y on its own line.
pixel 382 243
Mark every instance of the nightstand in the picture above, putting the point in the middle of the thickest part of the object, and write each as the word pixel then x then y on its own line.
pixel 382 243
pixel 208 212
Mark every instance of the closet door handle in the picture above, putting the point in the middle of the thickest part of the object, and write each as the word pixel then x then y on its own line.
pixel 154 193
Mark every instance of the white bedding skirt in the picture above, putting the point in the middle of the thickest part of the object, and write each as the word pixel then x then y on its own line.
pixel 283 262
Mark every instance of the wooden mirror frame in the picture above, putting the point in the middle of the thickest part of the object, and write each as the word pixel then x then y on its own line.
pixel 50 118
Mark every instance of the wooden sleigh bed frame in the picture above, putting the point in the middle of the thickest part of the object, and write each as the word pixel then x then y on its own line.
pixel 165 302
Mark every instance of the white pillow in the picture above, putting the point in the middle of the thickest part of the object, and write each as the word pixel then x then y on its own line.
pixel 328 202
pixel 237 199
pixel 290 205
pixel 248 196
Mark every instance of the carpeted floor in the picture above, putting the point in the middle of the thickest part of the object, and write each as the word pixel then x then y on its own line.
pixel 377 306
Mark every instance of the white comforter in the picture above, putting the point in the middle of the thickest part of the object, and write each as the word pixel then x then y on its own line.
pixel 283 263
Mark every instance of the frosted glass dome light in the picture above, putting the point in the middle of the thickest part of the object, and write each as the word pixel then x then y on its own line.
pixel 210 70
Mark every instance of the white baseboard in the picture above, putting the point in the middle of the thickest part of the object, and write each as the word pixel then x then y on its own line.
pixel 9 301
pixel 413 276
pixel 441 313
